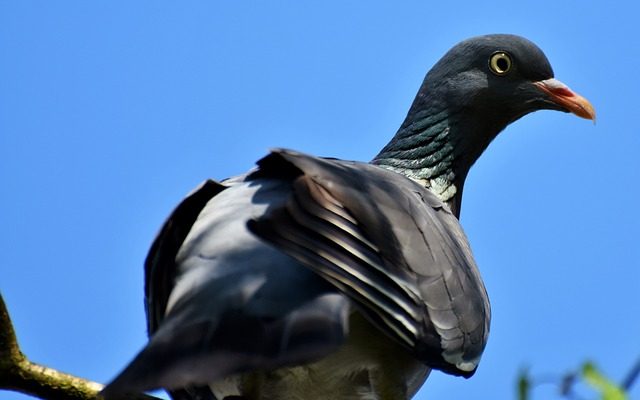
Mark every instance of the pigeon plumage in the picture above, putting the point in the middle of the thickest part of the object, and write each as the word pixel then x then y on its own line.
pixel 315 278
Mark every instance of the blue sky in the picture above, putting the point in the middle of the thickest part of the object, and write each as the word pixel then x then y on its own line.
pixel 110 112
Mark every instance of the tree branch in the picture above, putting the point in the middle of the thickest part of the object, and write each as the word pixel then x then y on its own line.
pixel 19 374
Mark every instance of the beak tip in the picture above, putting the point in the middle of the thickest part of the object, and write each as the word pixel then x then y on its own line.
pixel 560 94
pixel 584 109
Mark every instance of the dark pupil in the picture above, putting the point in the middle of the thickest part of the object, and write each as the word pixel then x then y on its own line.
pixel 502 64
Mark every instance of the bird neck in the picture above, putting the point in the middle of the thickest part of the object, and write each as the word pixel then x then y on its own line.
pixel 437 149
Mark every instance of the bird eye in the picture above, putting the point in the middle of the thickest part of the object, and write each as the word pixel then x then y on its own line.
pixel 500 63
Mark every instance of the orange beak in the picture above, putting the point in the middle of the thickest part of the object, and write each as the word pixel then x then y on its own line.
pixel 567 98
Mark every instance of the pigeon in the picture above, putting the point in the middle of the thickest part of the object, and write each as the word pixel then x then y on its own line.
pixel 317 278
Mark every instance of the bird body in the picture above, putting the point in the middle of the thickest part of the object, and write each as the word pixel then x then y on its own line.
pixel 319 331
pixel 313 278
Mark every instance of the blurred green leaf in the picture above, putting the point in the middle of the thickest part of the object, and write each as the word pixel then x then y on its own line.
pixel 607 389
pixel 524 385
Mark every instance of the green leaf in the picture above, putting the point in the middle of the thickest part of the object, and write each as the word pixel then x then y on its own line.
pixel 524 385
pixel 607 389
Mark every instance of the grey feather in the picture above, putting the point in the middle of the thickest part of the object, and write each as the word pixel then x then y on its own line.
pixel 228 281
pixel 419 244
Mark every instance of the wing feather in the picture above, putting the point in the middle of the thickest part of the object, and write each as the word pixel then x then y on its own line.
pixel 159 266
pixel 391 246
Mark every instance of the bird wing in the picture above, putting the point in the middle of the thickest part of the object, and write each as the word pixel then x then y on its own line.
pixel 159 266
pixel 390 245
pixel 222 301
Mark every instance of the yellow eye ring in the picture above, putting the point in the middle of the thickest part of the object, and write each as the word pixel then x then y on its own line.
pixel 500 63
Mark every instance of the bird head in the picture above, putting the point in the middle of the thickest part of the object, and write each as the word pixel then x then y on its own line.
pixel 471 94
pixel 505 75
